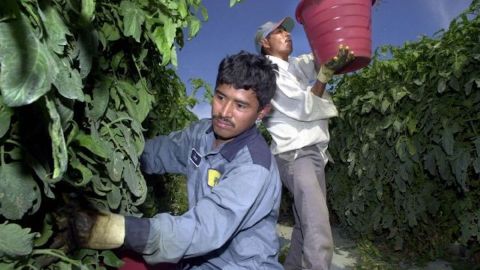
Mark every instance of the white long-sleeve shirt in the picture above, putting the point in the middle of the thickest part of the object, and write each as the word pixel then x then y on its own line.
pixel 299 118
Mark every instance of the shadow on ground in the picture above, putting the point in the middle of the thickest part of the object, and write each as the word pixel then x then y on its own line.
pixel 346 254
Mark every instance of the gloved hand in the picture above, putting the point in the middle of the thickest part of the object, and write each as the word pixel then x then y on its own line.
pixel 98 230
pixel 341 60
pixel 80 225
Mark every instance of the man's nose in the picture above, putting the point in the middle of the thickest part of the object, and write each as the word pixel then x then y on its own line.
pixel 227 109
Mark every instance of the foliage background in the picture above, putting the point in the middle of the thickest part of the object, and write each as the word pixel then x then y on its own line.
pixel 406 143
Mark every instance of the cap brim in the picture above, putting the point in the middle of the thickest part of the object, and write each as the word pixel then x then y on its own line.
pixel 287 23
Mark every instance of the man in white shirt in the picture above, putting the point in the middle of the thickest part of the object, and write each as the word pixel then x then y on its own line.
pixel 298 125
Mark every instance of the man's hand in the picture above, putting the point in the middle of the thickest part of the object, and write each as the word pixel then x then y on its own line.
pixel 341 60
pixel 98 230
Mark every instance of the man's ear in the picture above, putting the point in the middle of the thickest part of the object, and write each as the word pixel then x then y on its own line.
pixel 265 44
pixel 264 112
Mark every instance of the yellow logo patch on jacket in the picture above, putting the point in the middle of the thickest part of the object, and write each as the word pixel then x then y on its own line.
pixel 213 177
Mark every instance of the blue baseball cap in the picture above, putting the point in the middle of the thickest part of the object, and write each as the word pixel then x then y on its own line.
pixel 268 27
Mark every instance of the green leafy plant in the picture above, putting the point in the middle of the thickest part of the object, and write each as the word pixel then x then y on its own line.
pixel 83 83
pixel 406 143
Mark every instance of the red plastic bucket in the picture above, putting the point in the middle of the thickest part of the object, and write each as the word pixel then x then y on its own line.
pixel 329 23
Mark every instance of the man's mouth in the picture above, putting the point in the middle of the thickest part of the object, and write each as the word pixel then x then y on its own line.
pixel 223 122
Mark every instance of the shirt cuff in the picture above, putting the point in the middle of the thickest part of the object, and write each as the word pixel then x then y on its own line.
pixel 136 233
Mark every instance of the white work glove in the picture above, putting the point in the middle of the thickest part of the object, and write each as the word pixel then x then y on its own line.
pixel 342 59
pixel 97 230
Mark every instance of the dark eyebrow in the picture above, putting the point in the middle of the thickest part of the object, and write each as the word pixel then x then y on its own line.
pixel 243 102
pixel 246 104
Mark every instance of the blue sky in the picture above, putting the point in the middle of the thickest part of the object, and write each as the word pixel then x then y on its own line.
pixel 229 30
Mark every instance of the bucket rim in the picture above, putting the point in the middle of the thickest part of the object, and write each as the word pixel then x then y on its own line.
pixel 302 3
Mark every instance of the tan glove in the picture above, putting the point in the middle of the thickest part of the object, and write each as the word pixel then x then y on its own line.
pixel 342 59
pixel 97 230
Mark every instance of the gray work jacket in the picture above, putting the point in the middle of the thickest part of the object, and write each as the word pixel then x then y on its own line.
pixel 234 198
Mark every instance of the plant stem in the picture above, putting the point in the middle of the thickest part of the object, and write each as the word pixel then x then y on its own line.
pixel 58 254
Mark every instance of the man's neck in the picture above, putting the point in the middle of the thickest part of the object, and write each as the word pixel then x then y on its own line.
pixel 284 57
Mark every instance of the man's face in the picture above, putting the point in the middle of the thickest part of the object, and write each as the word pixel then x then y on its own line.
pixel 234 111
pixel 278 42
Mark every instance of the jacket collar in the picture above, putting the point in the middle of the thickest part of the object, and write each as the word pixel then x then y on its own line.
pixel 231 148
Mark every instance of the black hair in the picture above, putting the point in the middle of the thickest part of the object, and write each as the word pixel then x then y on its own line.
pixel 250 72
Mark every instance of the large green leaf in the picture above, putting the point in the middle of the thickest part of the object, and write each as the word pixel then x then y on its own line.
pixel 135 181
pixel 115 166
pixel 128 144
pixel 100 98
pixel 85 172
pixel 136 98
pixel 42 170
pixel 5 116
pixel 194 25
pixel 460 166
pixel 442 163
pixel 95 146
pixel 87 44
pixel 401 148
pixel 88 10
pixel 19 193
pixel 476 161
pixel 476 165
pixel 441 86
pixel 108 33
pixel 182 8
pixel 110 259
pixel 68 81
pixel 101 185
pixel 163 38
pixel 56 29
pixel 429 163
pixel 15 241
pixel 476 142
pixel 133 18
pixel 28 69
pixel 460 61
pixel 7 266
pixel 46 232
pixel 114 197
pixel 448 140
pixel 234 2
pixel 59 148
pixel 66 110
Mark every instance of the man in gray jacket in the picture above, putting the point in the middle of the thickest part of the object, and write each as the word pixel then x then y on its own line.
pixel 233 183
